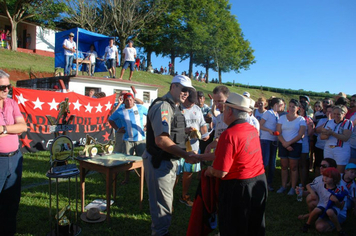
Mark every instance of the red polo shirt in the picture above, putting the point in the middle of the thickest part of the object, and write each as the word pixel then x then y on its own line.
pixel 239 152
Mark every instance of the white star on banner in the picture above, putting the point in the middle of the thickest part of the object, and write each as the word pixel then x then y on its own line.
pixel 53 104
pixel 98 108
pixel 21 100
pixel 88 108
pixel 108 106
pixel 77 105
pixel 38 104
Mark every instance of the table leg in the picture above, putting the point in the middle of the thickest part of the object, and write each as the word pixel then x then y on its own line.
pixel 82 184
pixel 114 185
pixel 141 186
pixel 108 193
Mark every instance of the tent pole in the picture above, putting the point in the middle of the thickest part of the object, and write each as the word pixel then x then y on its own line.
pixel 76 72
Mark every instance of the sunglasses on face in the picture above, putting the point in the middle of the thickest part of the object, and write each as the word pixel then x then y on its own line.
pixel 3 87
pixel 317 106
pixel 326 102
pixel 324 166
pixel 352 100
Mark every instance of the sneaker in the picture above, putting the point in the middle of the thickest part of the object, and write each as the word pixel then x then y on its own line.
pixel 291 192
pixel 185 199
pixel 281 190
pixel 270 188
pixel 305 228
pixel 113 77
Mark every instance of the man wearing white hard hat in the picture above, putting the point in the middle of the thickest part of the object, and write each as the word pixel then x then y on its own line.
pixel 239 165
pixel 165 144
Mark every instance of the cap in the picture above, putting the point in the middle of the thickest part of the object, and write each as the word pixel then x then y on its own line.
pixel 350 166
pixel 71 34
pixel 304 96
pixel 126 95
pixel 246 94
pixel 183 80
pixel 238 102
pixel 200 94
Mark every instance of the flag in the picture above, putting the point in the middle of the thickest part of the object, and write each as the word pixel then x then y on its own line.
pixel 90 117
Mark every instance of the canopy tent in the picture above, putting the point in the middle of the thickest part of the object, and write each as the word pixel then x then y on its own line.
pixel 84 39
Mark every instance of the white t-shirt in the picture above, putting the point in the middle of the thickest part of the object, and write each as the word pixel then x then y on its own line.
pixel 130 53
pixel 92 56
pixel 68 44
pixel 111 52
pixel 258 114
pixel 338 128
pixel 271 123
pixel 220 126
pixel 194 118
pixel 290 129
pixel 254 122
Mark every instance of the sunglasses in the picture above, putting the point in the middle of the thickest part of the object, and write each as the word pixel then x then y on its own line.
pixel 326 102
pixel 352 100
pixel 318 106
pixel 3 87
pixel 324 166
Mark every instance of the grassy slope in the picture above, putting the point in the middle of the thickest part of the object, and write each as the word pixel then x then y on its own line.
pixel 281 210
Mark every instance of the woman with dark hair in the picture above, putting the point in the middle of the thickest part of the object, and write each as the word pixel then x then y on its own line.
pixel 269 139
pixel 337 133
pixel 291 128
pixel 304 157
pixel 317 108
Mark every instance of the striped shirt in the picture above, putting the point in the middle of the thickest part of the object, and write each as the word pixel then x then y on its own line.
pixel 132 120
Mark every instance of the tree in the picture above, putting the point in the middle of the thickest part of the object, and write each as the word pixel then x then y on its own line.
pixel 91 15
pixel 130 17
pixel 40 11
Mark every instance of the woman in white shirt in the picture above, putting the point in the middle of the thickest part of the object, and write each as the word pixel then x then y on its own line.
pixel 291 128
pixel 269 139
pixel 337 133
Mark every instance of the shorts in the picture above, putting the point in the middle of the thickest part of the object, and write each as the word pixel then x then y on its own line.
pixel 129 63
pixel 353 153
pixel 187 167
pixel 110 63
pixel 340 154
pixel 295 154
pixel 319 156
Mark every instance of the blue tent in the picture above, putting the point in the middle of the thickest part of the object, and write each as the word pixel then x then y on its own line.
pixel 84 39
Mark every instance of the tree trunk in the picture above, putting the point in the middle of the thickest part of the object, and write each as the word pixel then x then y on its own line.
pixel 122 47
pixel 173 57
pixel 207 74
pixel 14 35
pixel 191 59
pixel 149 60
pixel 220 76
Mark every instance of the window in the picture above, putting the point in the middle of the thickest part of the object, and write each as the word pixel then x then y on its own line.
pixel 146 97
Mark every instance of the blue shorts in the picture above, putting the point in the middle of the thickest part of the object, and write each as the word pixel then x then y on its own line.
pixel 129 63
pixel 295 154
pixel 186 167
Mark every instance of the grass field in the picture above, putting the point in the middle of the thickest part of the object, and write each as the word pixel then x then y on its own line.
pixel 127 219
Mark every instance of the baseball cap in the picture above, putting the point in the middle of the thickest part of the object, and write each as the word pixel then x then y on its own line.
pixel 246 94
pixel 183 80
pixel 126 95
pixel 71 34
pixel 306 97
pixel 350 166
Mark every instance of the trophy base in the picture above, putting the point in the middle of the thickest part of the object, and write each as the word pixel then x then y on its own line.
pixel 64 231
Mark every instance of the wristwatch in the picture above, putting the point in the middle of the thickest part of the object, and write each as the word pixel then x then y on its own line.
pixel 4 129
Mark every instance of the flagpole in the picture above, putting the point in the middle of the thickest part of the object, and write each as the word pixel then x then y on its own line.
pixel 76 72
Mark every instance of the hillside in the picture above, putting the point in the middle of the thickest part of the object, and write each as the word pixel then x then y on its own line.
pixel 19 65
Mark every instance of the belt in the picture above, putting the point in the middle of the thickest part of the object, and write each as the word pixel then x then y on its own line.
pixel 9 154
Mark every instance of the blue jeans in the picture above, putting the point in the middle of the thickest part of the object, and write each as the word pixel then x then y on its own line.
pixel 68 65
pixel 269 152
pixel 10 192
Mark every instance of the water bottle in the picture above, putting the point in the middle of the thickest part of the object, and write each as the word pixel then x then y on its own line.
pixel 300 195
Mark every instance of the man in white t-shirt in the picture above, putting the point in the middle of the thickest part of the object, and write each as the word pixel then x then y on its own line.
pixel 92 55
pixel 129 54
pixel 111 53
pixel 69 48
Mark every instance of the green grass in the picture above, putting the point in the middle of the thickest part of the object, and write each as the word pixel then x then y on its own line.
pixel 127 219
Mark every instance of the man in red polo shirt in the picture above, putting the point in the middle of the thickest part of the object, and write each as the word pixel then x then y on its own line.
pixel 239 165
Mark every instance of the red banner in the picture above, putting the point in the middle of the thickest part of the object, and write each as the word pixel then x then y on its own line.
pixel 90 117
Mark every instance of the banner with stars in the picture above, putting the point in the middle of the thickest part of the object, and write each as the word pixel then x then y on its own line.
pixel 91 117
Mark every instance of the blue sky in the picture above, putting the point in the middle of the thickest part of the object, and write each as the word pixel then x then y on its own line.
pixel 298 44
